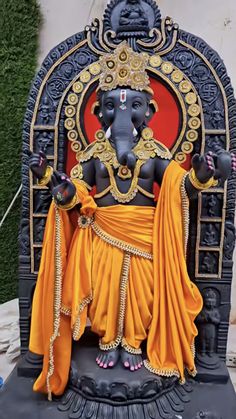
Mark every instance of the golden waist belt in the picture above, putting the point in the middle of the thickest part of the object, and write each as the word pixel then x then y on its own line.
pixel 122 245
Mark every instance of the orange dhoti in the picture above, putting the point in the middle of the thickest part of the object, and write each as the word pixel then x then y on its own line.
pixel 111 287
pixel 126 271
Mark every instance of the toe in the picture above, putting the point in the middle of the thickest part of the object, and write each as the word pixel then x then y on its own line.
pixel 132 365
pixel 126 364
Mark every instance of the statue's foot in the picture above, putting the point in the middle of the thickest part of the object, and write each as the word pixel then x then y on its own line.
pixel 130 361
pixel 108 359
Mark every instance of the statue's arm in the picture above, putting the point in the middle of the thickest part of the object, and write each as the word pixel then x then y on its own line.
pixel 61 186
pixel 216 317
pixel 207 170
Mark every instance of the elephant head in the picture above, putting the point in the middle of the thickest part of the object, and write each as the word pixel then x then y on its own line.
pixel 123 113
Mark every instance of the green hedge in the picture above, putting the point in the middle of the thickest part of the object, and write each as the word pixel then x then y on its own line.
pixel 19 30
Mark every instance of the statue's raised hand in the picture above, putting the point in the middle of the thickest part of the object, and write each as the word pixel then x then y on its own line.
pixel 211 164
pixel 38 163
pixel 63 190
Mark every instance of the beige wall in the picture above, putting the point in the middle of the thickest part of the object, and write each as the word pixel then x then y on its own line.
pixel 213 20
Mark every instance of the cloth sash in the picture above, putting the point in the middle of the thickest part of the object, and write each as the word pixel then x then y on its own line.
pixel 64 288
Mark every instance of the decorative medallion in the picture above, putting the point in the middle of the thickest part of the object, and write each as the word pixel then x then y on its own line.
pixel 100 135
pixel 70 111
pixel 194 110
pixel 194 123
pixel 187 147
pixel 78 87
pixel 76 146
pixel 69 123
pixel 84 221
pixel 192 135
pixel 72 135
pixel 147 133
pixel 73 99
pixel 191 98
pixel 185 86
pixel 124 172
pixel 177 76
pixel 167 67
pixel 85 77
pixel 180 157
pixel 95 69
pixel 155 61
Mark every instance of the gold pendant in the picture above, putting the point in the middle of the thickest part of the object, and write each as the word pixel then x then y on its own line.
pixel 124 173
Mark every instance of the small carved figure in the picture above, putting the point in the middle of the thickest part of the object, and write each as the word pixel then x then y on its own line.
pixel 45 110
pixel 38 235
pixel 133 15
pixel 211 205
pixel 209 263
pixel 210 236
pixel 208 320
pixel 42 202
pixel 45 141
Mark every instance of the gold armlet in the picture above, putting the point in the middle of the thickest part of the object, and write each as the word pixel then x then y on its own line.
pixel 47 177
pixel 75 200
pixel 198 185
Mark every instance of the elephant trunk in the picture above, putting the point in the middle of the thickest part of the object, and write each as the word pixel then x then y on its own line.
pixel 122 133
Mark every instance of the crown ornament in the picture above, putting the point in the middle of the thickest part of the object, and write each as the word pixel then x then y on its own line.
pixel 124 68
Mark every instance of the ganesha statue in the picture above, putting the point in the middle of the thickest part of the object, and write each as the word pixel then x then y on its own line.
pixel 118 257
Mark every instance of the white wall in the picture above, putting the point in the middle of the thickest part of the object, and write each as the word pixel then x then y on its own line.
pixel 212 20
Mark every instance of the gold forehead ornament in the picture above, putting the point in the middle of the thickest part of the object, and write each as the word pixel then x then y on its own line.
pixel 124 68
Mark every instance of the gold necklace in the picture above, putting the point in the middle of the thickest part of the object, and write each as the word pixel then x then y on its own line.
pixel 133 189
pixel 146 148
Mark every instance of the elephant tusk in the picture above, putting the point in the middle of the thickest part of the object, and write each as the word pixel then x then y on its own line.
pixel 108 133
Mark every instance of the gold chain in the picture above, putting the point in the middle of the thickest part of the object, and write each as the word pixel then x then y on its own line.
pixel 185 212
pixel 133 190
pixel 57 300
pixel 126 247
pixel 165 372
pixel 76 329
pixel 130 349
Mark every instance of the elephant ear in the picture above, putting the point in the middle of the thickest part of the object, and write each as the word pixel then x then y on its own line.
pixel 153 108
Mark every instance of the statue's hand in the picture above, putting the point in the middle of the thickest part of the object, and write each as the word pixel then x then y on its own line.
pixel 211 164
pixel 204 166
pixel 63 190
pixel 38 163
pixel 225 164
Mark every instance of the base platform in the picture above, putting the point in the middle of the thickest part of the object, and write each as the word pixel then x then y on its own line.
pixel 83 398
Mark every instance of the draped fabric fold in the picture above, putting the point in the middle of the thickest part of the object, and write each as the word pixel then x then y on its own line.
pixel 49 292
pixel 177 301
pixel 160 300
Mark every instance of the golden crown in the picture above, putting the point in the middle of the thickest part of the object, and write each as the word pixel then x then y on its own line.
pixel 124 67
